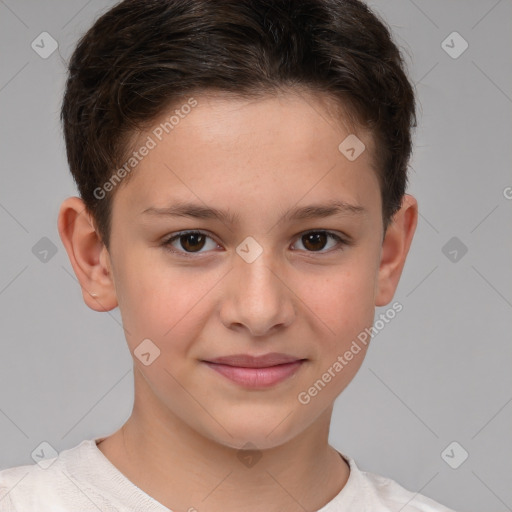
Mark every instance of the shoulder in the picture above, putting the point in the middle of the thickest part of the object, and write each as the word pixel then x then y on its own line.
pixel 394 494
pixel 19 484
pixel 55 482
pixel 9 479
pixel 385 494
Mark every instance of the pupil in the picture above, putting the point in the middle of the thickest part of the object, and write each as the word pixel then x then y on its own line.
pixel 315 237
pixel 196 238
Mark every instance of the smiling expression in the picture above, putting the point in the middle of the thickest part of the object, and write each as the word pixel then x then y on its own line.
pixel 246 231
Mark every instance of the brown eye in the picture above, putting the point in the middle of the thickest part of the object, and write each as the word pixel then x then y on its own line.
pixel 192 241
pixel 187 242
pixel 316 241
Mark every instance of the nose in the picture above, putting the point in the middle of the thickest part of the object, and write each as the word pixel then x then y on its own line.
pixel 257 297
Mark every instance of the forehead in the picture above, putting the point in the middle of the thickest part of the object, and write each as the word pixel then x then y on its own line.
pixel 224 150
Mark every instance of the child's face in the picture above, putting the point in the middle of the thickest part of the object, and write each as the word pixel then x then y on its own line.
pixel 305 297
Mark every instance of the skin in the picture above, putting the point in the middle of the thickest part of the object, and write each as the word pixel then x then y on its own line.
pixel 257 159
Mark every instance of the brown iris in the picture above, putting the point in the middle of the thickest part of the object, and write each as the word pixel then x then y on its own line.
pixel 314 241
pixel 197 241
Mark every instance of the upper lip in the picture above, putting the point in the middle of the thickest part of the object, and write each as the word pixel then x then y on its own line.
pixel 248 361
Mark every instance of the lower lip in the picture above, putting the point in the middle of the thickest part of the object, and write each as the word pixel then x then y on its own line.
pixel 257 377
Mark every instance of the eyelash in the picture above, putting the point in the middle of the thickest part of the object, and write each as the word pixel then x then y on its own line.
pixel 167 242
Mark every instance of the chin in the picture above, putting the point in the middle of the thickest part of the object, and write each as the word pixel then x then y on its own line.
pixel 257 433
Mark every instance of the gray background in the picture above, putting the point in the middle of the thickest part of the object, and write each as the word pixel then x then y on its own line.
pixel 438 373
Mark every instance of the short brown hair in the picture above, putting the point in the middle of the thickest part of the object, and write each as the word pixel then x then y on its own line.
pixel 142 56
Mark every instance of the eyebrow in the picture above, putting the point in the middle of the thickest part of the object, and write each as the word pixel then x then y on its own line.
pixel 313 211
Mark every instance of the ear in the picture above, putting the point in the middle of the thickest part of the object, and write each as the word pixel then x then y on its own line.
pixel 88 255
pixel 395 247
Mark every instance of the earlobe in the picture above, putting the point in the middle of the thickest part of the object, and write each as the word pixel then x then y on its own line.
pixel 395 248
pixel 87 254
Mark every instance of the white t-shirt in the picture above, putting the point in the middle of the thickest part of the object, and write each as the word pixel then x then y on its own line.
pixel 82 479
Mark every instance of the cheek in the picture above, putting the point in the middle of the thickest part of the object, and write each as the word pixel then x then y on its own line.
pixel 343 302
pixel 161 302
pixel 343 308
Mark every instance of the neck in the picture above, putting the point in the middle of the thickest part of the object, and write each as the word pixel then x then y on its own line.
pixel 185 470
